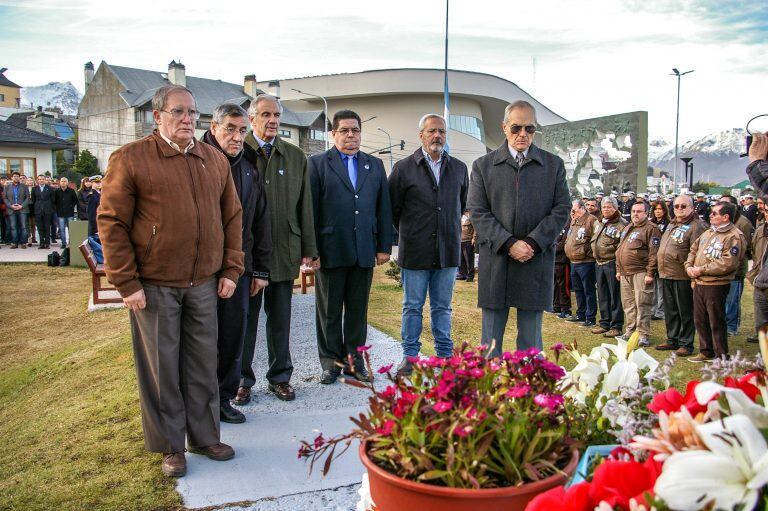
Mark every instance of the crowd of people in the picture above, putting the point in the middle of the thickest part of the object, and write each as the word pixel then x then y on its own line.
pixel 38 211
pixel 198 235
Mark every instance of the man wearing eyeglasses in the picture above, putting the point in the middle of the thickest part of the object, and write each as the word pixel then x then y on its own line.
pixel 171 228
pixel 353 226
pixel 429 194
pixel 712 264
pixel 227 134
pixel 682 231
pixel 519 201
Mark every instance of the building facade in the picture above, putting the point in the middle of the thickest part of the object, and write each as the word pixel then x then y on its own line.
pixel 10 93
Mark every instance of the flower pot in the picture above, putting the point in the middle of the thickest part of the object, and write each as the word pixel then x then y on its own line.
pixel 393 493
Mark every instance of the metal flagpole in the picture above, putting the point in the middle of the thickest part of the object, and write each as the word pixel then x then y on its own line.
pixel 446 109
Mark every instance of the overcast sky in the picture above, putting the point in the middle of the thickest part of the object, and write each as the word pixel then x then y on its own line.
pixel 592 57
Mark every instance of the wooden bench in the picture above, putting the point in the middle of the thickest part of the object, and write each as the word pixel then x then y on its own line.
pixel 307 276
pixel 97 273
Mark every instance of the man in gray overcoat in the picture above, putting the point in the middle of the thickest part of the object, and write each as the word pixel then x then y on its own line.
pixel 519 202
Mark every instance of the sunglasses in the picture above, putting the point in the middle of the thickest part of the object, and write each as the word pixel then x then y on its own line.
pixel 515 129
pixel 681 206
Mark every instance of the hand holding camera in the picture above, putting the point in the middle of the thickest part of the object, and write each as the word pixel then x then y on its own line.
pixel 758 149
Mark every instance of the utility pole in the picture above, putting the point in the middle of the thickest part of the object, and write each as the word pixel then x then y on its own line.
pixel 676 72
pixel 446 99
pixel 391 164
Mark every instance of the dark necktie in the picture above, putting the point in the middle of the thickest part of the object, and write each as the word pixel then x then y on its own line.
pixel 267 149
pixel 520 159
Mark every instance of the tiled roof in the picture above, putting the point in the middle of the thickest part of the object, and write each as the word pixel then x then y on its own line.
pixel 7 83
pixel 14 135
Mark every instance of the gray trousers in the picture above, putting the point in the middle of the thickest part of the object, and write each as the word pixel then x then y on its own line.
pixel 761 308
pixel 174 347
pixel 528 329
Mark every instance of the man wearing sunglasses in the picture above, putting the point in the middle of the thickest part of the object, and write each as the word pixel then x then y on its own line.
pixel 171 228
pixel 519 201
pixel 683 230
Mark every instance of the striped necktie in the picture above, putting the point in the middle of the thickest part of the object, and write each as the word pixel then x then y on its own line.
pixel 520 159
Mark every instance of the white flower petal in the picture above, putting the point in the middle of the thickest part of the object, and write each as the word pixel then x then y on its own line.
pixel 622 374
pixel 738 402
pixel 692 478
pixel 643 360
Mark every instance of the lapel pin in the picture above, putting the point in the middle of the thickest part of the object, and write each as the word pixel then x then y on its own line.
pixel 367 166
pixel 281 172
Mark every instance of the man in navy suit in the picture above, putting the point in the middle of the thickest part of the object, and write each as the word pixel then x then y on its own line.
pixel 42 198
pixel 353 225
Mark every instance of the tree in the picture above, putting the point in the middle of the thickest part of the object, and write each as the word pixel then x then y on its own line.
pixel 86 164
pixel 703 186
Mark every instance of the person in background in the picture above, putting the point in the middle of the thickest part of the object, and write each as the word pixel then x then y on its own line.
pixel 578 248
pixel 733 302
pixel 93 227
pixel 759 246
pixel 64 203
pixel 712 264
pixel 17 205
pixel 702 206
pixel 42 197
pixel 660 217
pixel 561 300
pixel 83 196
pixel 604 243
pixel 31 221
pixel 593 207
pixel 468 239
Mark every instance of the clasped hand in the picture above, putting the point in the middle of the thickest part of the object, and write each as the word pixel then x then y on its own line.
pixel 521 251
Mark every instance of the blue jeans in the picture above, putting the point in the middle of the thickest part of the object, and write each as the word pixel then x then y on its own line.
pixel 440 284
pixel 583 280
pixel 733 306
pixel 63 224
pixel 18 221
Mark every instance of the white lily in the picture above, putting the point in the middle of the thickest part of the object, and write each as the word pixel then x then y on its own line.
pixel 738 402
pixel 624 351
pixel 731 472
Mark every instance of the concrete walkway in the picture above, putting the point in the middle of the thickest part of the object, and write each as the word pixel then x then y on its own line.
pixel 266 474
pixel 27 255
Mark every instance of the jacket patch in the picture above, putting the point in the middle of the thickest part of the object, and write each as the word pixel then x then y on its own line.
pixel 734 250
pixel 678 234
pixel 714 250
pixel 580 233
pixel 655 241
pixel 634 235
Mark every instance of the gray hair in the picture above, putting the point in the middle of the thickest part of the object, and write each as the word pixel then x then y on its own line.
pixel 426 117
pixel 612 200
pixel 580 203
pixel 686 198
pixel 160 97
pixel 253 108
pixel 519 104
pixel 228 110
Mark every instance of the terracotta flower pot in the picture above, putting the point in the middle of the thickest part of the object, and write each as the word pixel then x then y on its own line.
pixel 393 493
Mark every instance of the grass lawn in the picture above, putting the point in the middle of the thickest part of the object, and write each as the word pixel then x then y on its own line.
pixel 69 411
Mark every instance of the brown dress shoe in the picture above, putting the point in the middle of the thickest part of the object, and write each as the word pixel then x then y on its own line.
pixel 666 346
pixel 174 464
pixel 612 333
pixel 217 452
pixel 700 358
pixel 283 391
pixel 243 396
pixel 684 352
pixel 599 330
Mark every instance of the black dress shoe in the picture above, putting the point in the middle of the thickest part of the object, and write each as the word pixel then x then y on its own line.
pixel 329 376
pixel 405 368
pixel 360 373
pixel 229 414
pixel 282 390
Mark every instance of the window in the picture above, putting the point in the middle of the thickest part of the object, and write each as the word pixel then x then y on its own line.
pixel 2 97
pixel 317 134
pixel 25 166
pixel 471 126
pixel 144 116
pixel 203 125
pixel 284 133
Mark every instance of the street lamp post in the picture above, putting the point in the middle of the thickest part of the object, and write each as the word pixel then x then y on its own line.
pixel 679 75
pixel 325 113
pixel 390 148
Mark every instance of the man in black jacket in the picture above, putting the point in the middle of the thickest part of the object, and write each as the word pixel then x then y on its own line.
pixel 64 202
pixel 227 134
pixel 42 197
pixel 353 226
pixel 429 192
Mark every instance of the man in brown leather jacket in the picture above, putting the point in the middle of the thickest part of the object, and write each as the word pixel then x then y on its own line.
pixel 171 227
pixel 676 241
pixel 604 243
pixel 759 245
pixel 712 264
pixel 579 250
pixel 636 270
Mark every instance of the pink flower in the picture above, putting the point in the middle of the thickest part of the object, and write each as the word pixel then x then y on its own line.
pixel 506 356
pixel 527 369
pixel 548 401
pixel 319 441
pixel 442 406
pixel 386 428
pixel 518 391
pixel 361 349
pixel 558 347
pixel 532 352
pixel 462 431
pixel 384 369
pixel 553 370
pixel 389 392
pixel 476 373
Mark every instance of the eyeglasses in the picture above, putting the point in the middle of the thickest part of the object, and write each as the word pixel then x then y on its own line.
pixel 347 131
pixel 715 213
pixel 681 206
pixel 179 113
pixel 231 130
pixel 515 129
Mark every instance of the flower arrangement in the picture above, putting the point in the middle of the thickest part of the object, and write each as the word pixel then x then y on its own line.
pixel 462 422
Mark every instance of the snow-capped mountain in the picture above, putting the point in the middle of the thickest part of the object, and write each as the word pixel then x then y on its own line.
pixel 715 156
pixel 54 94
